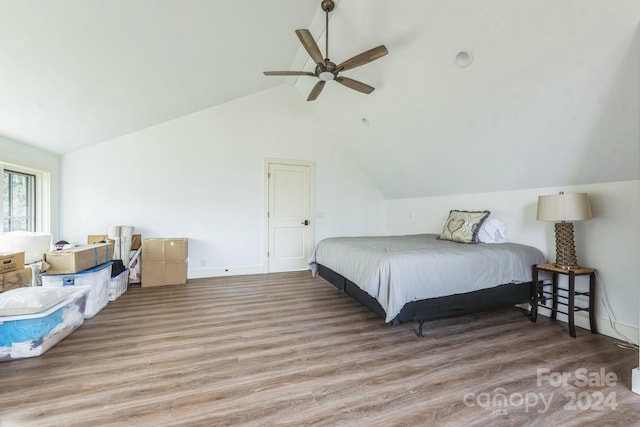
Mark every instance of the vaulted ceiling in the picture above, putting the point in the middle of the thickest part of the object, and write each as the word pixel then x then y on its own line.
pixel 542 91
pixel 78 72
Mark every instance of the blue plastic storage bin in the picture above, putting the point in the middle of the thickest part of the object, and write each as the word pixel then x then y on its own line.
pixel 32 320
pixel 95 279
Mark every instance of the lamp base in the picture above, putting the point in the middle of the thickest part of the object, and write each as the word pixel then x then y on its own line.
pixel 565 247
pixel 566 267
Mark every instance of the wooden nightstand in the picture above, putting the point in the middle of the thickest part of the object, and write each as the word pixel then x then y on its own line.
pixel 537 291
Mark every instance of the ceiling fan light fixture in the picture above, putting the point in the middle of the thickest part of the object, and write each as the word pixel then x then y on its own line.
pixel 326 76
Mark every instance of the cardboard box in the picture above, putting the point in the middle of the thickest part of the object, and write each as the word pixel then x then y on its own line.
pixel 16 279
pixel 11 261
pixel 98 238
pixel 164 262
pixel 165 250
pixel 77 259
pixel 136 242
pixel 162 273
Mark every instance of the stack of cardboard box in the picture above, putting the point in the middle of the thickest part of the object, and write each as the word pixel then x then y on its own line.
pixel 87 267
pixel 164 262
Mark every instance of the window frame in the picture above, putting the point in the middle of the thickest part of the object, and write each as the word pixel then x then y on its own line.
pixel 41 197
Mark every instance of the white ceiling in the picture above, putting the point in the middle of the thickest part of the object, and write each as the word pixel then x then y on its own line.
pixel 559 91
pixel 78 72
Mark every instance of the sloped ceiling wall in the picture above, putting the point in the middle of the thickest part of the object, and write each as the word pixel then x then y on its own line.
pixel 74 73
pixel 551 97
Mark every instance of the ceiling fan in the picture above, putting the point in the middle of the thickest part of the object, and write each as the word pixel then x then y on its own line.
pixel 327 70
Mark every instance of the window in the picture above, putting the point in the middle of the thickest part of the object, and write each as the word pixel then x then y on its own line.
pixel 25 199
pixel 19 200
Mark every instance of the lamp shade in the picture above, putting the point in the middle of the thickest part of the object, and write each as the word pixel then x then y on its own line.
pixel 564 207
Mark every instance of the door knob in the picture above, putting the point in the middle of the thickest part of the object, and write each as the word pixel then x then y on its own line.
pixel 306 222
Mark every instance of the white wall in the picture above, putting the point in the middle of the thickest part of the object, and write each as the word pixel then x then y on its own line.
pixel 635 378
pixel 608 242
pixel 201 177
pixel 17 153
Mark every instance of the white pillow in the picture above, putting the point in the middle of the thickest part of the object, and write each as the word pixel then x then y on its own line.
pixel 492 230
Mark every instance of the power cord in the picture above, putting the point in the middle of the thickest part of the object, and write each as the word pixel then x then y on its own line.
pixel 604 297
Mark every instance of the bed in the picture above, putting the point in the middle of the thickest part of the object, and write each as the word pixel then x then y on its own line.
pixel 424 277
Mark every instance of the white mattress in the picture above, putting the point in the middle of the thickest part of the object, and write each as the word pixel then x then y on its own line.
pixel 398 269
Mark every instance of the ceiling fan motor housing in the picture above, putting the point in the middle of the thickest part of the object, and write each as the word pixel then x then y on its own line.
pixel 327 71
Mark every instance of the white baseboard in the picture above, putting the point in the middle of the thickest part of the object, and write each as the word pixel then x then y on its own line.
pixel 635 380
pixel 231 271
pixel 603 325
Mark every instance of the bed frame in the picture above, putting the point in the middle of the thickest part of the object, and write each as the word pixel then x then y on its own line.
pixel 435 308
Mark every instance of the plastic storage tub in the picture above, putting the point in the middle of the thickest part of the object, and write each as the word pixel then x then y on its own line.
pixel 118 285
pixel 95 279
pixel 32 320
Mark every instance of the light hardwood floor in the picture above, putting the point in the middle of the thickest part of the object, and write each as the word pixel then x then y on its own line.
pixel 289 349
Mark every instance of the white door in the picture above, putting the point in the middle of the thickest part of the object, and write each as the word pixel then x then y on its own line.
pixel 289 216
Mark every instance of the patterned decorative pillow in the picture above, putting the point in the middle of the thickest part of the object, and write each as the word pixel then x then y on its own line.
pixel 463 226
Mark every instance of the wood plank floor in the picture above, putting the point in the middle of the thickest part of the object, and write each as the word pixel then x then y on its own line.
pixel 288 349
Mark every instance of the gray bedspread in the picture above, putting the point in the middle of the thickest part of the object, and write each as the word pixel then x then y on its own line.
pixel 398 269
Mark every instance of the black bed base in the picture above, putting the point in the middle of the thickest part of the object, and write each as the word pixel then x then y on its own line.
pixel 435 308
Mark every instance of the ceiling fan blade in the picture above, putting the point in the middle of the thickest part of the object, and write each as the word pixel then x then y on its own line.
pixel 309 43
pixel 316 90
pixel 363 58
pixel 354 84
pixel 288 73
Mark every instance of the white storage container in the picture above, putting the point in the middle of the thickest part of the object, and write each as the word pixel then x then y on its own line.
pixel 118 285
pixel 32 244
pixel 95 279
pixel 32 320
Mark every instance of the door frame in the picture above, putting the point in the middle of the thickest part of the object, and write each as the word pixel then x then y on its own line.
pixel 268 161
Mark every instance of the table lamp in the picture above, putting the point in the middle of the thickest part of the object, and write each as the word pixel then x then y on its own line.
pixel 563 209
